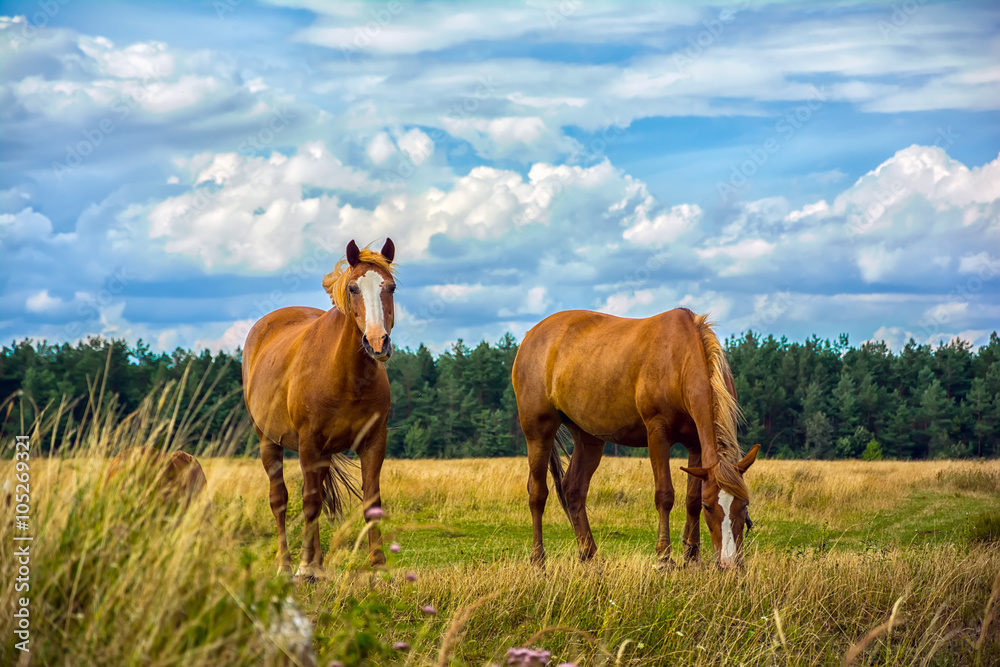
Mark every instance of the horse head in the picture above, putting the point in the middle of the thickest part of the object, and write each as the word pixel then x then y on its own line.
pixel 726 500
pixel 368 288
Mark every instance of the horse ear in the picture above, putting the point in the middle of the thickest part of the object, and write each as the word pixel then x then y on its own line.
pixel 700 473
pixel 748 460
pixel 353 254
pixel 389 250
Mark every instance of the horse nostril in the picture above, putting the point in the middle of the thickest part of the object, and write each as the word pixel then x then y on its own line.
pixel 385 341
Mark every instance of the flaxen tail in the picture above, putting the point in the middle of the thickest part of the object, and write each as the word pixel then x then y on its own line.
pixel 726 411
pixel 335 482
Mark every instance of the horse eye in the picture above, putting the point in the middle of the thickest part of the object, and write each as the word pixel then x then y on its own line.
pixel 391 289
pixel 353 289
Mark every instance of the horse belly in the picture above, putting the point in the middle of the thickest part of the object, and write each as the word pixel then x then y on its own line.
pixel 606 411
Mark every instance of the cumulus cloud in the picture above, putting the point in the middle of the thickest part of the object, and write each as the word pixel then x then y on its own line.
pixel 96 76
pixel 481 171
pixel 41 302
pixel 417 145
pixel 622 302
pixel 380 148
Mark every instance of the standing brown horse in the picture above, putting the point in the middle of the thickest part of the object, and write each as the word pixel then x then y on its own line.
pixel 314 383
pixel 640 383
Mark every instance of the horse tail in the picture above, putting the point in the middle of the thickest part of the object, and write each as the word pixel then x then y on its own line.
pixel 335 482
pixel 563 437
pixel 726 411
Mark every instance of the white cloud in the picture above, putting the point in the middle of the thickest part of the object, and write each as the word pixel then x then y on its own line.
pixel 257 217
pixel 233 337
pixel 417 145
pixel 94 77
pixel 535 301
pixel 946 312
pixel 23 225
pixel 820 208
pixel 621 303
pixel 380 148
pixel 454 291
pixel 982 263
pixel 42 302
pixel 736 258
pixel 876 262
pixel 663 228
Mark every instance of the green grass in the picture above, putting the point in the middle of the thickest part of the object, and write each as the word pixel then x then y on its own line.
pixel 121 583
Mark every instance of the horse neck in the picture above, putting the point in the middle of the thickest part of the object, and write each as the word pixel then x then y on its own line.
pixel 348 353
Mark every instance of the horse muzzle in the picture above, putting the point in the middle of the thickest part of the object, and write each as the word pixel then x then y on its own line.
pixel 383 354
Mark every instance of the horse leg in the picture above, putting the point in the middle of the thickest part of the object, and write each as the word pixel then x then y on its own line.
pixel 692 527
pixel 272 456
pixel 538 434
pixel 660 438
pixel 372 457
pixel 587 453
pixel 313 471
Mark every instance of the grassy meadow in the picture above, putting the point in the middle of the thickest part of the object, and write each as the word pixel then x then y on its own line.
pixel 850 562
pixel 838 549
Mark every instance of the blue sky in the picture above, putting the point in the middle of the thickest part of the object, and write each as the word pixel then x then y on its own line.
pixel 173 171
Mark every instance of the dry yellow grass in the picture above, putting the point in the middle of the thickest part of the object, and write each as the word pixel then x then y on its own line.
pixel 117 584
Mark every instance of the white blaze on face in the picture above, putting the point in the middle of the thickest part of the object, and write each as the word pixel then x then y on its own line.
pixel 370 285
pixel 728 542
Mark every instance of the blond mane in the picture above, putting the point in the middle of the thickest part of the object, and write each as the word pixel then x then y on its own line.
pixel 335 282
pixel 726 412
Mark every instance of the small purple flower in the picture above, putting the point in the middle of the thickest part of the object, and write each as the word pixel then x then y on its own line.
pixel 429 610
pixel 528 657
pixel 394 547
pixel 335 663
pixel 411 576
pixel 374 514
pixel 401 646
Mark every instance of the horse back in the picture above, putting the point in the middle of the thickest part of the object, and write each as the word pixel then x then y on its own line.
pixel 608 374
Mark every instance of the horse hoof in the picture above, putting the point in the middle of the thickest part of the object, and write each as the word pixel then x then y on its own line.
pixel 665 565
pixel 304 575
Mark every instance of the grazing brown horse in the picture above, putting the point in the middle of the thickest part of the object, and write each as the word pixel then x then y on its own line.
pixel 646 382
pixel 314 383
pixel 178 476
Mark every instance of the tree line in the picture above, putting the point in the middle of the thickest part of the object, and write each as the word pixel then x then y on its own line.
pixel 812 399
